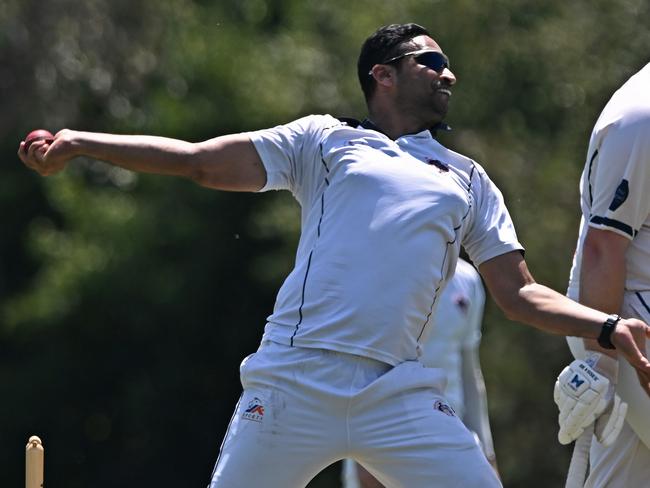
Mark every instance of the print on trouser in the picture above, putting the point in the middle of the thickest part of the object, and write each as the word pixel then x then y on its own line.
pixel 303 409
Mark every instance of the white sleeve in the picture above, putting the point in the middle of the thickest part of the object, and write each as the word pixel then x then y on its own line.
pixel 291 154
pixel 491 232
pixel 620 178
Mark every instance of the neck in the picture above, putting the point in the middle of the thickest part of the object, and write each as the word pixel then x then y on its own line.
pixel 395 124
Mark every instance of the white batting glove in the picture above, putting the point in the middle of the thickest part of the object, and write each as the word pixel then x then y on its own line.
pixel 610 423
pixel 584 393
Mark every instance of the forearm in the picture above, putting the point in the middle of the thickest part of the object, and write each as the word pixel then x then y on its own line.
pixel 228 162
pixel 523 300
pixel 514 289
pixel 548 310
pixel 144 154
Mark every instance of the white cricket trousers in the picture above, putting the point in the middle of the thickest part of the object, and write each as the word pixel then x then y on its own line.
pixel 626 463
pixel 303 409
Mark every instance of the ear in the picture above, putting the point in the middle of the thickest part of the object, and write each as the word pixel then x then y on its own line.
pixel 383 74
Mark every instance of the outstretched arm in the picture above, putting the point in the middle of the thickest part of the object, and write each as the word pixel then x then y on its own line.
pixel 226 163
pixel 523 300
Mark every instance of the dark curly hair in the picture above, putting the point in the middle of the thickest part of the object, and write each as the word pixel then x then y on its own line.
pixel 387 42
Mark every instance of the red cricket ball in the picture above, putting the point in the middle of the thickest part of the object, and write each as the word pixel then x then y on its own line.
pixel 37 135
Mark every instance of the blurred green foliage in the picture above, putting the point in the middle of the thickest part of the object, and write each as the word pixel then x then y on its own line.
pixel 128 301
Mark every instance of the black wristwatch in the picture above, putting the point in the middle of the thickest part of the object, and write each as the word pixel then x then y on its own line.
pixel 605 337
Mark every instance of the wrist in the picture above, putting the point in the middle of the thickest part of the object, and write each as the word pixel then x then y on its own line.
pixel 78 143
pixel 603 364
pixel 70 144
pixel 608 328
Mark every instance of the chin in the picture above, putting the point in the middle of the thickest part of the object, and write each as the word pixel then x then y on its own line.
pixel 437 106
pixel 437 116
pixel 440 113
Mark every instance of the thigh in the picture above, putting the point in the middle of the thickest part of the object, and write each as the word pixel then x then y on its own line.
pixel 436 453
pixel 261 449
pixel 287 426
pixel 624 464
pixel 412 438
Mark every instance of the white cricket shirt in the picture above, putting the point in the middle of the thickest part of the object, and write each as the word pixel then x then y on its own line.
pixel 615 183
pixel 382 225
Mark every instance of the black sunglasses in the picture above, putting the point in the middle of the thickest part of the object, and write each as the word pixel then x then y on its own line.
pixel 435 60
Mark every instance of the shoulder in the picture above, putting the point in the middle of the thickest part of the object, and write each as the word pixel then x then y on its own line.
pixel 298 134
pixel 311 123
pixel 627 113
pixel 620 131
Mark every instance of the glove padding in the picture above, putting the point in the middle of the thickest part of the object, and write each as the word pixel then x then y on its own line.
pixel 583 395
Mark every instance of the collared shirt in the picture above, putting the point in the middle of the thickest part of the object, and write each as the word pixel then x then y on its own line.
pixel 615 183
pixel 382 226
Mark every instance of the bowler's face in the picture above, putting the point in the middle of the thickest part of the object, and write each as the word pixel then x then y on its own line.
pixel 421 88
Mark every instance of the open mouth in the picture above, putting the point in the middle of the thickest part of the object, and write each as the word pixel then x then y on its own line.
pixel 444 91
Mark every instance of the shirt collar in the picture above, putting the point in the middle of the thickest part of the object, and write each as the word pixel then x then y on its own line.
pixel 369 124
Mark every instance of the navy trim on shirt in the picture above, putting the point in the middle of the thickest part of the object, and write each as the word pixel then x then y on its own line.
pixel 591 162
pixel 311 253
pixel 616 224
pixel 643 302
pixel 449 243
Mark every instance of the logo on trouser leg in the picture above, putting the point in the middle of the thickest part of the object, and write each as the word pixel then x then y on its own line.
pixel 254 411
pixel 444 408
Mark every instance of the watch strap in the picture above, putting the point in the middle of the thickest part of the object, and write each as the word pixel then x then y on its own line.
pixel 605 337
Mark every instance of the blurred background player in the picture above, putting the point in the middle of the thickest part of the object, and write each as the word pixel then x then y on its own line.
pixel 454 347
pixel 611 272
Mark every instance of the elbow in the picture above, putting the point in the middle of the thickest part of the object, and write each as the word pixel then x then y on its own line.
pixel 196 166
pixel 512 313
pixel 509 308
pixel 515 307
